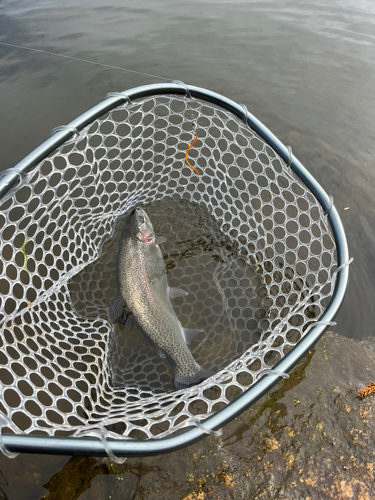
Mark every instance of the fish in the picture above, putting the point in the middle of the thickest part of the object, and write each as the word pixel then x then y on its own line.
pixel 144 299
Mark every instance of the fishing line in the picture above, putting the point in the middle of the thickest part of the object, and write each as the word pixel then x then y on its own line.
pixel 83 60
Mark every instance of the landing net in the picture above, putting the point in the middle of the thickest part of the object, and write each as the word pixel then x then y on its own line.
pixel 246 239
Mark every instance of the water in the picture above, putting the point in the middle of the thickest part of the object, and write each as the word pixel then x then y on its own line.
pixel 306 69
pixel 203 261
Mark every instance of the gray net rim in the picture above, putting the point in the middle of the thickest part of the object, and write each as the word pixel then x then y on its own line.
pixel 130 447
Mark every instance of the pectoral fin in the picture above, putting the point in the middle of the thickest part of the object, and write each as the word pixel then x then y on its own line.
pixel 190 334
pixel 118 312
pixel 177 292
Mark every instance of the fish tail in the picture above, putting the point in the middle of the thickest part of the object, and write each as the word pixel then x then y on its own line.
pixel 184 381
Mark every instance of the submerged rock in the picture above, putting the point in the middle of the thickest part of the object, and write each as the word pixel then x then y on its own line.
pixel 111 486
pixel 309 438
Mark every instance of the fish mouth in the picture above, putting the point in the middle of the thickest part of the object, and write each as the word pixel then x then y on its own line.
pixel 145 229
pixel 139 211
pixel 140 216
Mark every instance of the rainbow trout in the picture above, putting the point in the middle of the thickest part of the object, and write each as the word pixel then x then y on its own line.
pixel 143 297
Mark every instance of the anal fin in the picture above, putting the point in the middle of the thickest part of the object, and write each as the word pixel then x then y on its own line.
pixel 190 334
pixel 177 292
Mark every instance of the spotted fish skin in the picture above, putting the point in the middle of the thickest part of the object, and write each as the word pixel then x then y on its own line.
pixel 143 295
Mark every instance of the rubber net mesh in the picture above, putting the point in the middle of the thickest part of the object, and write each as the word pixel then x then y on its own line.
pixel 245 239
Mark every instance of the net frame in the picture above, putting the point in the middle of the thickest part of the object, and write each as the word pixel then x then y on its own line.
pixel 90 446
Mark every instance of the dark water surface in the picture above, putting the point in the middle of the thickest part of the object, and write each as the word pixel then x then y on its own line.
pixel 304 68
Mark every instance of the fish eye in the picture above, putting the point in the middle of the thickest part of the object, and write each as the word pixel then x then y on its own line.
pixel 141 219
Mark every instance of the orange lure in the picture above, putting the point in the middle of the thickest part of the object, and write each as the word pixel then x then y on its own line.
pixel 186 154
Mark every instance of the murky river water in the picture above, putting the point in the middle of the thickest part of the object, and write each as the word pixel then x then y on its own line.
pixel 304 68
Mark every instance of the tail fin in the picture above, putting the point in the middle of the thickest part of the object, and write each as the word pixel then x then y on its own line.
pixel 185 381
